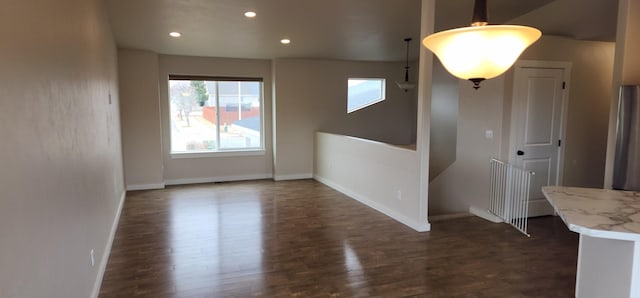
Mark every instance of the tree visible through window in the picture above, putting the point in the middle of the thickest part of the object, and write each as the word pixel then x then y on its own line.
pixel 210 115
pixel 364 92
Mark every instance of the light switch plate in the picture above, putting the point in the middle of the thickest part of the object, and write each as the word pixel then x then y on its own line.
pixel 488 134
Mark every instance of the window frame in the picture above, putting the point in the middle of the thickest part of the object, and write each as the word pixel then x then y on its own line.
pixel 219 152
pixel 383 93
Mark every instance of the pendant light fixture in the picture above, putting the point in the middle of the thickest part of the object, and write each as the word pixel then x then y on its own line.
pixel 406 85
pixel 481 51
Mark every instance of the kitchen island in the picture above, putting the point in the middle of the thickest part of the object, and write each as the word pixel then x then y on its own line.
pixel 608 222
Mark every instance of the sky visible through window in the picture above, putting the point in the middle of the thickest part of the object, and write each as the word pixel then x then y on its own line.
pixel 364 92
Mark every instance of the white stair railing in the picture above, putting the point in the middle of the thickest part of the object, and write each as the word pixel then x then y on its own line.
pixel 509 194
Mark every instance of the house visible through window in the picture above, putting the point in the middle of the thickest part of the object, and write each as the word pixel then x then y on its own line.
pixel 215 114
pixel 364 92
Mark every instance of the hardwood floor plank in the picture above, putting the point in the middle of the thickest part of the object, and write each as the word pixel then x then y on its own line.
pixel 303 239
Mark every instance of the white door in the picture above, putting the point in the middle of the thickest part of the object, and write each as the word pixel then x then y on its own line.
pixel 536 122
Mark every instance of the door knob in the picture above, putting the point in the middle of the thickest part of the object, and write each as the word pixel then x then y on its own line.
pixel 520 152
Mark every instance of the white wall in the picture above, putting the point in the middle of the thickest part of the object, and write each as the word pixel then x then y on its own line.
pixel 311 95
pixel 382 176
pixel 195 170
pixel 464 184
pixel 140 112
pixel 61 165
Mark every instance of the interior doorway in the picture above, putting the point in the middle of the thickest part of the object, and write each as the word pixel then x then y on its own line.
pixel 538 116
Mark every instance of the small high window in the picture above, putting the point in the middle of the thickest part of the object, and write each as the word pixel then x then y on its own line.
pixel 215 114
pixel 364 92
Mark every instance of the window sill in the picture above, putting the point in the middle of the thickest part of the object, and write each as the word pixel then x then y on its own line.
pixel 256 152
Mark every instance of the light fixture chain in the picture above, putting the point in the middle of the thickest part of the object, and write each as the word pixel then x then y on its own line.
pixel 406 67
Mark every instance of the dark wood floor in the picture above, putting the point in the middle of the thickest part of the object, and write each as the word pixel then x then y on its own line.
pixel 303 239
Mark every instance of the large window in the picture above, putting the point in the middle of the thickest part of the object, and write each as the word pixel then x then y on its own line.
pixel 215 114
pixel 364 92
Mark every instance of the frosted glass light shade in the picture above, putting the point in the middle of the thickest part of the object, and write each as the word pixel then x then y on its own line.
pixel 481 52
pixel 405 85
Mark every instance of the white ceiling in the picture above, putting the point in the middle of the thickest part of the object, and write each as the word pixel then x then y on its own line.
pixel 367 30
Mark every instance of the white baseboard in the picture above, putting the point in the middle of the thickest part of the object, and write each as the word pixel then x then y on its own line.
pixel 293 177
pixel 217 179
pixel 484 214
pixel 145 186
pixel 420 227
pixel 107 250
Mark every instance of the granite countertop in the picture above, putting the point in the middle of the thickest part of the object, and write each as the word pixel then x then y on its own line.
pixel 601 213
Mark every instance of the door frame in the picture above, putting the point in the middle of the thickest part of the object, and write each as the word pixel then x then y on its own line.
pixel 566 67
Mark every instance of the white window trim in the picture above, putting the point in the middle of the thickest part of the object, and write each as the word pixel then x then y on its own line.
pixel 228 152
pixel 222 153
pixel 383 95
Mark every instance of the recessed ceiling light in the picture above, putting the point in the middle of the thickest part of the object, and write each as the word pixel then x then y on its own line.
pixel 175 34
pixel 285 41
pixel 250 14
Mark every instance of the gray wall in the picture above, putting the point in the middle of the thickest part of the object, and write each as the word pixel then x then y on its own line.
pixel 444 120
pixel 311 95
pixel 140 112
pixel 626 69
pixel 146 135
pixel 193 170
pixel 588 107
pixel 464 183
pixel 301 96
pixel 61 166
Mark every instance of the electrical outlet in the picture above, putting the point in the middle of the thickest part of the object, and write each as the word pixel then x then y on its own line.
pixel 93 260
pixel 399 195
